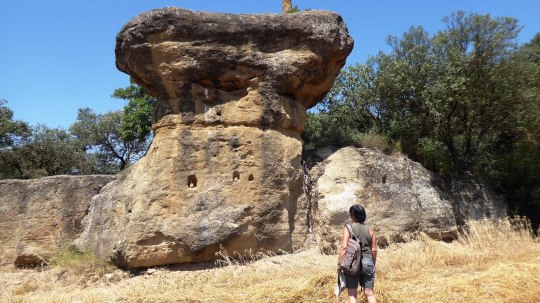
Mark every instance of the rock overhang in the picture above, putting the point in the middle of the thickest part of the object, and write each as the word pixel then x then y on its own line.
pixel 293 55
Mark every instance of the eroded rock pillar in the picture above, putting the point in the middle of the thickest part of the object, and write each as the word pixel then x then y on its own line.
pixel 224 167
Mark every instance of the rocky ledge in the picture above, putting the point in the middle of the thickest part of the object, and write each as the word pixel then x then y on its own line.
pixel 40 217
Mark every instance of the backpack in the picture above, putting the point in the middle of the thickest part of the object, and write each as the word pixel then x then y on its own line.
pixel 350 263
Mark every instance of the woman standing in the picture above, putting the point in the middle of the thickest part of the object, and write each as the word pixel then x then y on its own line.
pixel 366 237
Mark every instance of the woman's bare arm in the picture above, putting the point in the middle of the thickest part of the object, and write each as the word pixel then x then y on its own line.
pixel 344 242
pixel 373 244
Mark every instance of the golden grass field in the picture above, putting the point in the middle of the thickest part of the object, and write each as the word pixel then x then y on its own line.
pixel 491 262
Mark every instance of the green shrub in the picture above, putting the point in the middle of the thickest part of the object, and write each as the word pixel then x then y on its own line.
pixel 374 140
pixel 78 261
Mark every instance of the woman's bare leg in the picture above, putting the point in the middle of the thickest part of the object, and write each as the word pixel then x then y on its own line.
pixel 353 294
pixel 370 295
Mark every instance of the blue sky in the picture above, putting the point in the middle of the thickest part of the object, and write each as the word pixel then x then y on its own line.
pixel 57 56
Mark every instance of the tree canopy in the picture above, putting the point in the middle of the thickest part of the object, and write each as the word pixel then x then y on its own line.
pixel 95 143
pixel 137 114
pixel 101 134
pixel 10 130
pixel 465 99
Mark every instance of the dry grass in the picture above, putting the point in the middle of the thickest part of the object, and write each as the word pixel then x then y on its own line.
pixel 492 262
pixel 81 262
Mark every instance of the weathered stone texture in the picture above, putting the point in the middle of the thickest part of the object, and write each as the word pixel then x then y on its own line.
pixel 182 56
pixel 401 197
pixel 224 167
pixel 38 217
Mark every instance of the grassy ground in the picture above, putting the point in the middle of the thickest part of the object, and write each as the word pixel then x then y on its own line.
pixel 492 262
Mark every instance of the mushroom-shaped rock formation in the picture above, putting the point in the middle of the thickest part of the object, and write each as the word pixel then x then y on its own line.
pixel 224 167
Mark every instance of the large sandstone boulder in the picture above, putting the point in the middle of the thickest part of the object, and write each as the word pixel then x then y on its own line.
pixel 224 167
pixel 401 197
pixel 39 217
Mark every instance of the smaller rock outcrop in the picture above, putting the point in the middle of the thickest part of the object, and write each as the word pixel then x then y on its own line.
pixel 38 217
pixel 401 197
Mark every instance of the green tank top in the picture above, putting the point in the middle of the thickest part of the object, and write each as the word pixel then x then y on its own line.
pixel 361 230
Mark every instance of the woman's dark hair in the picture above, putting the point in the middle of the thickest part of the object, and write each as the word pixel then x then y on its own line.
pixel 358 213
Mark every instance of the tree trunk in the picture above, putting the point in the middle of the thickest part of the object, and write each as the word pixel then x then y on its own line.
pixel 286 6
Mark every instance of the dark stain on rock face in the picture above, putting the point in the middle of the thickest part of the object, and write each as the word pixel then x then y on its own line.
pixel 235 142
pixel 271 109
pixel 188 155
pixel 212 149
pixel 187 110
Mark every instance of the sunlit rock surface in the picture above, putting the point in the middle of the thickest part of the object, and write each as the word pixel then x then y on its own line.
pixel 224 167
pixel 39 218
pixel 401 197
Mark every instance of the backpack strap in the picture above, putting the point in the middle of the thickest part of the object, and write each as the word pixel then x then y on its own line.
pixel 351 232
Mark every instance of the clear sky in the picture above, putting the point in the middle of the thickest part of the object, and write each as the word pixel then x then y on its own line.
pixel 58 55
